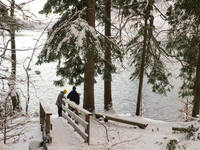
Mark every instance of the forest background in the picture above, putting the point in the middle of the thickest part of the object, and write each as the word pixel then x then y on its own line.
pixel 89 52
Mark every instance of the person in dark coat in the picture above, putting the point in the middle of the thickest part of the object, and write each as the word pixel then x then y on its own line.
pixel 59 102
pixel 74 96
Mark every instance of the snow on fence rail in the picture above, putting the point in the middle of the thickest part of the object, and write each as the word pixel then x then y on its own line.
pixel 75 120
pixel 45 121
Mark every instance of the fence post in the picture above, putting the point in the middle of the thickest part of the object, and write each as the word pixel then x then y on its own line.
pixel 48 128
pixel 87 130
pixel 45 122
pixel 41 117
pixel 76 112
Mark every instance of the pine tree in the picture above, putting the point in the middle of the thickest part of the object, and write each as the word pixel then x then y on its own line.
pixel 146 51
pixel 107 54
pixel 184 43
pixel 74 44
pixel 109 43
pixel 72 38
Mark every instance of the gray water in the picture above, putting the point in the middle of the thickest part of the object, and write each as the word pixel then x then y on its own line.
pixel 124 91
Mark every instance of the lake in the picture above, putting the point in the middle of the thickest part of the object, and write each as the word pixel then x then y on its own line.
pixel 124 91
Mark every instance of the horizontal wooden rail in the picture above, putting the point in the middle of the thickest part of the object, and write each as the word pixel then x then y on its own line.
pixel 45 122
pixel 81 125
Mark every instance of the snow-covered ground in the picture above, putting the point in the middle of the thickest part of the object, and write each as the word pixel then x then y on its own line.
pixel 106 135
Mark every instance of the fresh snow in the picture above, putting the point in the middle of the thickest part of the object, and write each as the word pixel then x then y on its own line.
pixel 106 135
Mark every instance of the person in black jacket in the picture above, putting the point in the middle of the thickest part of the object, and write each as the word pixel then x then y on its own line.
pixel 74 96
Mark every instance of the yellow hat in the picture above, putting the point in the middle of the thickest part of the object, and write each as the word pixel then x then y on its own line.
pixel 65 91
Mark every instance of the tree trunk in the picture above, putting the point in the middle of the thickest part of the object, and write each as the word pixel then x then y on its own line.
pixel 107 70
pixel 88 102
pixel 5 124
pixel 12 35
pixel 15 98
pixel 196 105
pixel 139 99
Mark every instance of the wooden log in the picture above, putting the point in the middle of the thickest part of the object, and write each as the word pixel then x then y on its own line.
pixel 181 129
pixel 122 120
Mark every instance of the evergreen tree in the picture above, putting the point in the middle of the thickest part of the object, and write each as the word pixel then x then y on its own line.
pixel 104 17
pixel 71 38
pixel 74 44
pixel 184 43
pixel 107 70
pixel 146 51
pixel 109 43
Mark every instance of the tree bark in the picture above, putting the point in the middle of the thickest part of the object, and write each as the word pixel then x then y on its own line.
pixel 15 99
pixel 12 36
pixel 107 70
pixel 139 99
pixel 196 105
pixel 5 123
pixel 88 102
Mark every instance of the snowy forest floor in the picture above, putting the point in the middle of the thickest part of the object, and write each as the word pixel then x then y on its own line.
pixel 105 135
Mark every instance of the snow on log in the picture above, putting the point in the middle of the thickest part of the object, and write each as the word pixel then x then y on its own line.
pixel 121 119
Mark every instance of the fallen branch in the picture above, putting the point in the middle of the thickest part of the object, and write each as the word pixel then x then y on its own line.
pixel 181 129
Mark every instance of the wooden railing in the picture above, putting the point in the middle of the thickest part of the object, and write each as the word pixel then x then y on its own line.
pixel 74 118
pixel 45 122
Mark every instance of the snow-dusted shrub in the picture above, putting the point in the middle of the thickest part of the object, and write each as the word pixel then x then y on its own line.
pixel 171 143
pixel 193 131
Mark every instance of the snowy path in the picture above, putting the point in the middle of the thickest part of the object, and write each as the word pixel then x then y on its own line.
pixel 107 135
pixel 117 136
pixel 64 136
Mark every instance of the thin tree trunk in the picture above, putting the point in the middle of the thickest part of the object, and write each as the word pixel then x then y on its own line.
pixel 12 35
pixel 196 105
pixel 4 131
pixel 88 102
pixel 139 99
pixel 107 72
pixel 4 123
pixel 15 100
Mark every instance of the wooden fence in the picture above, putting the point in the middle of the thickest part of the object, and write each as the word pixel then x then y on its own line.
pixel 81 125
pixel 45 122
